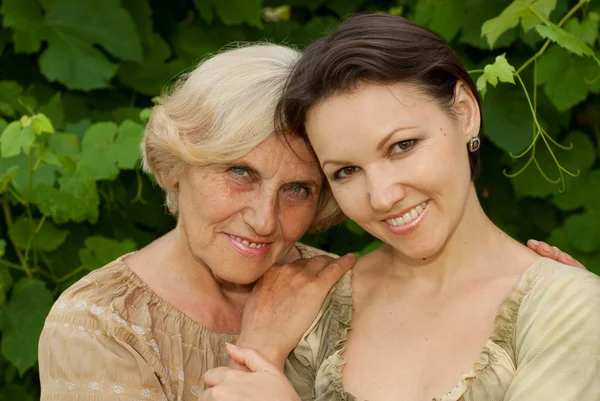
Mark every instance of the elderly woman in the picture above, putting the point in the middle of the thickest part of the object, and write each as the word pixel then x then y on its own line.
pixel 149 324
pixel 450 308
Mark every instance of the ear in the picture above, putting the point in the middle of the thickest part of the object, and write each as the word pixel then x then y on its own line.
pixel 466 108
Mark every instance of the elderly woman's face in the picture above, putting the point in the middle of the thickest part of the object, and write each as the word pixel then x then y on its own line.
pixel 244 216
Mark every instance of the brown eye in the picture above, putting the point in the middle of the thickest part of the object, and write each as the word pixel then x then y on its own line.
pixel 403 146
pixel 345 172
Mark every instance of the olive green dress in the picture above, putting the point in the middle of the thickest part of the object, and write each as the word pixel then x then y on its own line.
pixel 545 346
pixel 110 337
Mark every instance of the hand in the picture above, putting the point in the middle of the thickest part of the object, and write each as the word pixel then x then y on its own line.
pixel 285 302
pixel 264 382
pixel 553 252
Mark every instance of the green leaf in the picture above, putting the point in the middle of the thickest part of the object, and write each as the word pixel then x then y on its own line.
pixel 565 39
pixel 583 231
pixel 98 155
pixel 7 176
pixel 442 16
pixel 344 7
pixel 234 12
pixel 14 139
pixel 25 18
pixel 41 123
pixel 76 199
pixel 11 94
pixel 73 28
pixel 581 191
pixel 66 145
pixel 100 251
pixel 129 138
pixel 75 63
pixel 54 111
pixel 141 14
pixel 564 77
pixel 150 77
pixel 507 123
pixel 500 70
pixel 354 228
pixel 517 11
pixel 23 320
pixel 88 21
pixel 2 247
pixel 47 239
pixel 205 8
pixel 586 31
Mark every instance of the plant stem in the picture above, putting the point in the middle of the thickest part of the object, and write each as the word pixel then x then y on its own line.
pixel 9 222
pixel 547 43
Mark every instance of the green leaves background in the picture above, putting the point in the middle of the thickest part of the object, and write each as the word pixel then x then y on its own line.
pixel 78 77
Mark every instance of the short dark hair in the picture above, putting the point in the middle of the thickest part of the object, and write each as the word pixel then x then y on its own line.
pixel 372 48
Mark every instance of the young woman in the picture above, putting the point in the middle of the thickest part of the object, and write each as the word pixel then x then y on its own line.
pixel 451 308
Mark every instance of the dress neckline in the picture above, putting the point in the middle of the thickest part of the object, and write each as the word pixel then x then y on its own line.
pixel 504 324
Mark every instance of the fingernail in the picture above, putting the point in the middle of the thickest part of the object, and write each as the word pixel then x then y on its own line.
pixel 230 345
pixel 546 247
pixel 569 258
pixel 534 242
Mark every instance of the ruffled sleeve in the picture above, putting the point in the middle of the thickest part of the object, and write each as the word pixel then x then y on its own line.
pixel 557 349
pixel 318 354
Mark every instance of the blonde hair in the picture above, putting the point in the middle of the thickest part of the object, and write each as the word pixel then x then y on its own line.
pixel 218 113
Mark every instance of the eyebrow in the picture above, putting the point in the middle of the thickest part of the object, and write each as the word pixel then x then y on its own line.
pixel 380 145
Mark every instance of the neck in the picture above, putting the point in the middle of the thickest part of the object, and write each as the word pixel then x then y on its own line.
pixel 473 243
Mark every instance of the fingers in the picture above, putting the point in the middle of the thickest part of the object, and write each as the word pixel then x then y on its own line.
pixel 552 252
pixel 251 359
pixel 334 270
pixel 215 376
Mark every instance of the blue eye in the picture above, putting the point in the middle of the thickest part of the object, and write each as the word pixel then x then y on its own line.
pixel 345 172
pixel 299 189
pixel 403 146
pixel 242 172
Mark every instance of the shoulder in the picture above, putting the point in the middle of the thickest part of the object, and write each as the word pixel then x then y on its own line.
pixel 309 251
pixel 103 299
pixel 560 283
pixel 561 300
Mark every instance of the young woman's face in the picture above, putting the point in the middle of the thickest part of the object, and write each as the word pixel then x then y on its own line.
pixel 397 162
pixel 242 217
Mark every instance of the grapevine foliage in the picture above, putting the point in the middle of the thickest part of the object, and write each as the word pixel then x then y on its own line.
pixel 78 78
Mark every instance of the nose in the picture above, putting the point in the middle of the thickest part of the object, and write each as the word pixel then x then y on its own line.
pixel 385 188
pixel 261 213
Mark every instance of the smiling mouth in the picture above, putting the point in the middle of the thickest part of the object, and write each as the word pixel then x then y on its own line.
pixel 256 245
pixel 409 216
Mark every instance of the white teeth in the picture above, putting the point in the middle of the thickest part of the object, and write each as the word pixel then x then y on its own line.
pixel 408 217
pixel 247 243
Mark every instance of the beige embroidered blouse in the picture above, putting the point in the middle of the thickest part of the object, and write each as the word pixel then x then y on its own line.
pixel 546 344
pixel 109 337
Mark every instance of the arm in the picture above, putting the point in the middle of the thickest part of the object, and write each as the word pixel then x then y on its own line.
pixel 557 347
pixel 80 361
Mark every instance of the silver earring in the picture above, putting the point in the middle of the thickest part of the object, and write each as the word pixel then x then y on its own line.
pixel 474 144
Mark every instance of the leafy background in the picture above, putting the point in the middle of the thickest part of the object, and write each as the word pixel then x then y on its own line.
pixel 77 79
